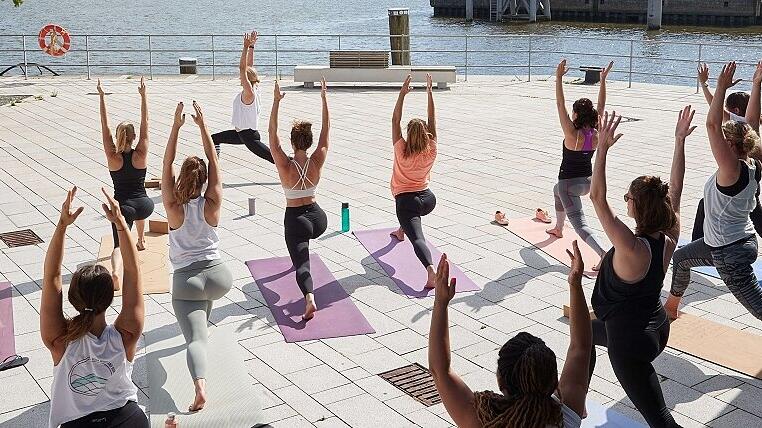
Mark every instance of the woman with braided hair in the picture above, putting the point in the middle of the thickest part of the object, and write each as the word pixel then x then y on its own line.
pixel 532 394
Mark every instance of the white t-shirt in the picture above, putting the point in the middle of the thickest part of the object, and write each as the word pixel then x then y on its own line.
pixel 737 118
pixel 246 116
pixel 92 376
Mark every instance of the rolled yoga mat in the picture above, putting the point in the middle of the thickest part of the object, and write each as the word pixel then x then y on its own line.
pixel 232 400
pixel 533 231
pixel 337 315
pixel 399 261
pixel 7 340
pixel 154 261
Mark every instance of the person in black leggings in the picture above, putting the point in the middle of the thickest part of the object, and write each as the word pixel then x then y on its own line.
pixel 299 176
pixel 410 207
pixel 127 166
pixel 129 415
pixel 246 107
pixel 631 321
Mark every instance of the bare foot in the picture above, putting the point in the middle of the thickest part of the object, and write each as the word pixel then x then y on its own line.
pixel 200 400
pixel 310 307
pixel 597 267
pixel 141 245
pixel 432 277
pixel 671 306
pixel 399 234
pixel 117 282
pixel 555 232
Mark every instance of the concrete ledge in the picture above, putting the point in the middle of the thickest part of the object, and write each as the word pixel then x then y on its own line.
pixel 309 74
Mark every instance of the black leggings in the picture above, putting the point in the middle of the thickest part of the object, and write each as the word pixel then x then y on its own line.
pixel 302 224
pixel 132 209
pixel 248 137
pixel 410 208
pixel 128 416
pixel 632 347
pixel 698 223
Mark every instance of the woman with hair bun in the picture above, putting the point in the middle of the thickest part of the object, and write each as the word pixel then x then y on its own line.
pixel 200 276
pixel 127 166
pixel 580 142
pixel 729 243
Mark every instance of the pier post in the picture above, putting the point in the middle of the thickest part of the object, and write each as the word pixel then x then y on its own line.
pixel 399 32
pixel 546 9
pixel 533 10
pixel 469 10
pixel 654 14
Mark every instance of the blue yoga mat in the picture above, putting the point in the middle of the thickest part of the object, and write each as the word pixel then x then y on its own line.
pixel 711 271
pixel 599 416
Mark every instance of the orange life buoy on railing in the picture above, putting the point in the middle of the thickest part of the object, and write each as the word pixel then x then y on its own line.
pixel 54 40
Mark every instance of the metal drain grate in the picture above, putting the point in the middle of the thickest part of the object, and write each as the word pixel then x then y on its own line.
pixel 415 381
pixel 20 238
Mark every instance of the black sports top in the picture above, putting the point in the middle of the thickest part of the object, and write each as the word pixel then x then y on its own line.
pixel 129 182
pixel 578 163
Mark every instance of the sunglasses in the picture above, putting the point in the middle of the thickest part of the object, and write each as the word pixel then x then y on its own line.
pixel 628 198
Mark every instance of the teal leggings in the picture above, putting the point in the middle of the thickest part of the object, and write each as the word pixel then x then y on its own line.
pixel 194 288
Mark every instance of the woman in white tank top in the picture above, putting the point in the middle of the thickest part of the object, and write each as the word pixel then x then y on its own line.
pixel 246 107
pixel 200 276
pixel 92 360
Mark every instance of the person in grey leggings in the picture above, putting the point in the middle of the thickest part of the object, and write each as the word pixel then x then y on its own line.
pixel 580 142
pixel 730 194
pixel 199 277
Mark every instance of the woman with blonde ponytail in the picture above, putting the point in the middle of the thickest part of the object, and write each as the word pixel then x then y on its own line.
pixel 92 360
pixel 413 159
pixel 531 393
pixel 127 166
pixel 729 242
pixel 200 276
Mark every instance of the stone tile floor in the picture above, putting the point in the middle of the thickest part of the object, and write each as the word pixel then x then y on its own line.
pixel 499 149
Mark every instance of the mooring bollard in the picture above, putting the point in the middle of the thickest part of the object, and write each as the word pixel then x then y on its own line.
pixel 188 65
pixel 399 30
pixel 252 206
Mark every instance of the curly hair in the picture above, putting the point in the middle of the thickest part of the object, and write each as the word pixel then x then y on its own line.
pixel 587 115
pixel 653 205
pixel 301 135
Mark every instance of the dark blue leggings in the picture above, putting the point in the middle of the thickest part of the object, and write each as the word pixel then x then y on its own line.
pixel 410 208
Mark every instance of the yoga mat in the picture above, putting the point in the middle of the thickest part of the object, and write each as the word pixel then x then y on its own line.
pixel 232 400
pixel 600 416
pixel 337 315
pixel 154 261
pixel 710 341
pixel 400 263
pixel 712 271
pixel 7 340
pixel 533 231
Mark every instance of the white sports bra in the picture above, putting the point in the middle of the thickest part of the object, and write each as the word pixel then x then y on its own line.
pixel 300 189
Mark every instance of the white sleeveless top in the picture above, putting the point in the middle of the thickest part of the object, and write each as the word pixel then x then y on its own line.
pixel 92 376
pixel 727 217
pixel 246 116
pixel 300 188
pixel 195 240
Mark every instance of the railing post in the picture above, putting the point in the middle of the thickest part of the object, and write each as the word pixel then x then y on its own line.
pixel 277 69
pixel 629 78
pixel 699 65
pixel 23 47
pixel 212 56
pixel 150 59
pixel 466 57
pixel 530 59
pixel 339 41
pixel 87 55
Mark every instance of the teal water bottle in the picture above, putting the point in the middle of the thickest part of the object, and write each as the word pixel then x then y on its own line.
pixel 345 216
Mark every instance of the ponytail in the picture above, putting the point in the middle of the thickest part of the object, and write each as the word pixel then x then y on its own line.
pixel 192 177
pixel 91 292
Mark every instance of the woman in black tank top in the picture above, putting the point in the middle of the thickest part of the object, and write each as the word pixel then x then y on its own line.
pixel 127 166
pixel 631 321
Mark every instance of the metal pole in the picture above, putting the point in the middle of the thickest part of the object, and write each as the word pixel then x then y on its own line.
pixel 212 57
pixel 629 83
pixel 698 65
pixel 23 47
pixel 277 74
pixel 339 41
pixel 87 55
pixel 530 59
pixel 466 57
pixel 150 59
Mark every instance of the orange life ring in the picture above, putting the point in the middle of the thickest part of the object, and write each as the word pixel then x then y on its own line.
pixel 54 40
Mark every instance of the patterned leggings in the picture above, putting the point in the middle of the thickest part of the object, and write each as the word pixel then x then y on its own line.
pixel 567 194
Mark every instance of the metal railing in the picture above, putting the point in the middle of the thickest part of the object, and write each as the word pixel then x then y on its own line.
pixel 471 54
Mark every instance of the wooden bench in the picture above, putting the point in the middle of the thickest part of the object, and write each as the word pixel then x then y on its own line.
pixel 309 74
pixel 358 59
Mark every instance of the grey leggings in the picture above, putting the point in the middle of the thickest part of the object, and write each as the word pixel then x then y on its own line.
pixel 567 194
pixel 733 262
pixel 194 288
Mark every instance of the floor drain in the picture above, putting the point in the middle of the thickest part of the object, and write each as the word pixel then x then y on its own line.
pixel 20 238
pixel 415 381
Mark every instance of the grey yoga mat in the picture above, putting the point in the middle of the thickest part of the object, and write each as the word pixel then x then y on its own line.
pixel 232 400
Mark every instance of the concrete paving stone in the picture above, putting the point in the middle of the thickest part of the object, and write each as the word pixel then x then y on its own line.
pixel 338 393
pixel 737 419
pixel 317 378
pixel 329 356
pixel 366 411
pixel 278 413
pixel 304 404
pixel 425 418
pixel 379 360
pixel 405 405
pixel 293 422
pixel 26 391
pixel 744 396
pixel 352 346
pixel 403 341
pixel 33 415
pixel 286 358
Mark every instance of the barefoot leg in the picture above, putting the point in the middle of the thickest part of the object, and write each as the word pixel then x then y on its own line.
pixel 432 276
pixel 310 307
pixel 399 234
pixel 556 231
pixel 200 400
pixel 141 226
pixel 116 268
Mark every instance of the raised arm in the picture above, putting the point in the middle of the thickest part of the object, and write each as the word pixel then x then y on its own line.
pixel 213 194
pixel 677 175
pixel 279 156
pixel 457 397
pixel 249 40
pixel 573 382
pixel 142 146
pixel 321 152
pixel 108 140
pixel 131 317
pixel 703 79
pixel 432 116
pixel 602 89
pixel 52 321
pixel 563 115
pixel 168 169
pixel 727 159
pixel 397 114
pixel 753 109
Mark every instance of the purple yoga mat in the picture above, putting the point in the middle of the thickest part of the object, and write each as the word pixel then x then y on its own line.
pixel 336 316
pixel 400 262
pixel 7 341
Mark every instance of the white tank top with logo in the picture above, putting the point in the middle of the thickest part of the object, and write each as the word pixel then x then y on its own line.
pixel 246 116
pixel 92 376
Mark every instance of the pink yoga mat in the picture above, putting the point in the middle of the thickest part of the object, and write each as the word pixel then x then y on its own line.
pixel 337 315
pixel 533 231
pixel 7 341
pixel 400 262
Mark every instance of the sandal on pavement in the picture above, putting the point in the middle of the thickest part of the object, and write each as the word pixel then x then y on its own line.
pixel 500 219
pixel 542 216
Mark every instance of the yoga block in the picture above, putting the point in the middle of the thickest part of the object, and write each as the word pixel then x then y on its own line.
pixel 153 183
pixel 158 226
pixel 252 206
